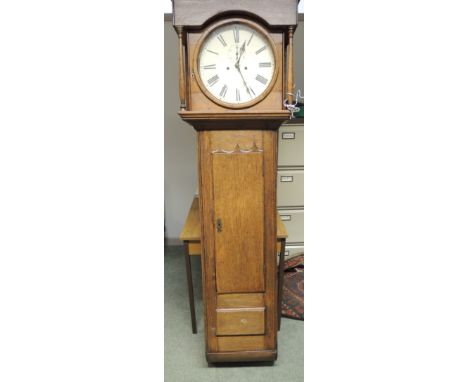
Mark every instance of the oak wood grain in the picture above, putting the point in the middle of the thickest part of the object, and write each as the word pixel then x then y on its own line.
pixel 194 247
pixel 182 69
pixel 213 258
pixel 240 321
pixel 241 356
pixel 271 103
pixel 237 157
pixel 207 234
pixel 238 204
pixel 281 231
pixel 237 140
pixel 270 159
pixel 240 343
pixel 240 300
pixel 191 231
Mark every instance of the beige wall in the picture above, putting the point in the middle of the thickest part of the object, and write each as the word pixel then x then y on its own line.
pixel 180 170
pixel 299 57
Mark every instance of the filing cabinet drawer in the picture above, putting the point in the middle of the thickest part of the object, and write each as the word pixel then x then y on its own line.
pixel 294 222
pixel 292 251
pixel 291 146
pixel 290 188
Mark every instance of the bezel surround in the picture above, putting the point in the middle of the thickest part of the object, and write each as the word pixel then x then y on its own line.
pixel 196 64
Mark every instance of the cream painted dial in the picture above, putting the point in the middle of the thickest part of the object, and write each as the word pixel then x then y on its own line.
pixel 236 64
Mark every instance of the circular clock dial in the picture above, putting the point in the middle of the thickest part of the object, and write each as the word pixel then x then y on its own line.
pixel 236 64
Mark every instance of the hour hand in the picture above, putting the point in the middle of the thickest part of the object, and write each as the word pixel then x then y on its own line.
pixel 242 50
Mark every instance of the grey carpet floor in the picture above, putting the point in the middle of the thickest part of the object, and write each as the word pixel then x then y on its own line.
pixel 184 352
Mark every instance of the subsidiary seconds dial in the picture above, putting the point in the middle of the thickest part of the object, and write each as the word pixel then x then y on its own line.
pixel 236 64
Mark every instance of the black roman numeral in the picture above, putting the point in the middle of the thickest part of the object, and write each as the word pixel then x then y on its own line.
pixel 221 39
pixel 223 91
pixel 213 80
pixel 236 34
pixel 264 64
pixel 212 66
pixel 261 79
pixel 237 95
pixel 212 51
pixel 251 90
pixel 261 49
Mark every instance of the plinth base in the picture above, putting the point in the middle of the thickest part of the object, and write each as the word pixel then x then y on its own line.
pixel 243 356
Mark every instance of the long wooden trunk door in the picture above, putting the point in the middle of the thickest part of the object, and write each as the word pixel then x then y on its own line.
pixel 238 187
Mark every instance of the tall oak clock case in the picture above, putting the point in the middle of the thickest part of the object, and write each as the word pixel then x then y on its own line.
pixel 235 71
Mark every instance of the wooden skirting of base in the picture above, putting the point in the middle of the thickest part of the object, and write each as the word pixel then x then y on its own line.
pixel 242 356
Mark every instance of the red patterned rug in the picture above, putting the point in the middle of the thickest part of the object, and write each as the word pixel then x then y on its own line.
pixel 293 288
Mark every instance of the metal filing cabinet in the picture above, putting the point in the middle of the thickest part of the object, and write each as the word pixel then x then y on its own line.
pixel 290 186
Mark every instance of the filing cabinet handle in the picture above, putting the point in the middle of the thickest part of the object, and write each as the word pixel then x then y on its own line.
pixel 288 135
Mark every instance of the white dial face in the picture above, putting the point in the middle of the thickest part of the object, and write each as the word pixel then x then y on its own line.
pixel 236 63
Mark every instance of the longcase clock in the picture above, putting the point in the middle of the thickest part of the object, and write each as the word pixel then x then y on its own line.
pixel 235 72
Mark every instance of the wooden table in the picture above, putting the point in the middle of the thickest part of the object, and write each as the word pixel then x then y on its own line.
pixel 190 235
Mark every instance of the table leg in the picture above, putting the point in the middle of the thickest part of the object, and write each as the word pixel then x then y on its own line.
pixel 188 268
pixel 280 280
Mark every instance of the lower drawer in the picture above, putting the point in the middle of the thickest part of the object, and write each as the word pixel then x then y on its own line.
pixel 234 322
pixel 294 222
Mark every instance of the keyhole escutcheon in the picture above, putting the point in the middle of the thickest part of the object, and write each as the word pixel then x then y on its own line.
pixel 219 225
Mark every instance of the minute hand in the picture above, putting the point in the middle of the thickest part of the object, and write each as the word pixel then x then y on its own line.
pixel 243 80
pixel 242 50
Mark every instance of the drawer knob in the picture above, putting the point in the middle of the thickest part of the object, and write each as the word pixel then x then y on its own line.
pixel 243 320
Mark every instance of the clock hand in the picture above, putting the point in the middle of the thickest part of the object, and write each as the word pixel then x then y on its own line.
pixel 242 50
pixel 243 80
pixel 239 57
pixel 237 66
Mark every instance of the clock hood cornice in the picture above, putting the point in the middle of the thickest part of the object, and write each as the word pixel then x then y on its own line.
pixel 235 120
pixel 195 13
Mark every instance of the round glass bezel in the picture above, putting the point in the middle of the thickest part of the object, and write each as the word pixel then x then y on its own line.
pixel 196 62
